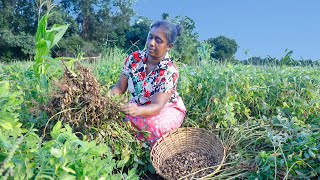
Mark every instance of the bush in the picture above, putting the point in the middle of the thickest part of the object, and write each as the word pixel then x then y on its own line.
pixel 16 47
pixel 71 46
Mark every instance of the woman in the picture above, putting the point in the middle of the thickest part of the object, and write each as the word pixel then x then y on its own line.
pixel 151 78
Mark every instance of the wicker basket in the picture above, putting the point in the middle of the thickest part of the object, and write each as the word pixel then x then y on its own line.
pixel 184 139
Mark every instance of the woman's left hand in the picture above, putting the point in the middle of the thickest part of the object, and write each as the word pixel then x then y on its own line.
pixel 131 109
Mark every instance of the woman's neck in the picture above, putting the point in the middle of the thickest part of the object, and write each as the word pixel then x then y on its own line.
pixel 154 61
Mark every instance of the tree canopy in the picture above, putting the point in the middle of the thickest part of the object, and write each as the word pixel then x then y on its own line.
pixel 224 48
pixel 96 25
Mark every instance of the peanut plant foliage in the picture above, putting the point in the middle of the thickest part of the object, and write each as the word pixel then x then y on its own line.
pixel 267 117
pixel 54 125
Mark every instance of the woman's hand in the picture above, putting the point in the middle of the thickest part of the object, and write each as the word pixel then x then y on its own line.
pixel 120 87
pixel 153 109
pixel 131 109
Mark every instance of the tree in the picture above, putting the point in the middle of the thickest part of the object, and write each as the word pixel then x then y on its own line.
pixel 137 35
pixel 224 48
pixel 15 47
pixel 6 14
pixel 101 22
pixel 85 13
pixel 185 49
pixel 18 21
pixel 165 16
pixel 255 60
pixel 59 16
pixel 18 16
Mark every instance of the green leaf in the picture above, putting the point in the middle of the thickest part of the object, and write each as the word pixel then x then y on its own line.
pixel 69 170
pixel 51 62
pixel 61 31
pixel 134 177
pixel 44 84
pixel 121 163
pixel 49 39
pixel 116 176
pixel 132 171
pixel 66 176
pixel 56 152
pixel 299 173
pixel 151 169
pixel 311 153
pixel 109 169
pixel 56 130
pixel 314 149
pixel 4 88
pixel 43 176
pixel 68 128
pixel 306 155
pixel 7 126
pixel 41 48
pixel 98 150
pixel 138 160
pixel 42 25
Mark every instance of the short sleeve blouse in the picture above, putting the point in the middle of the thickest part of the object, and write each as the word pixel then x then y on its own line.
pixel 142 86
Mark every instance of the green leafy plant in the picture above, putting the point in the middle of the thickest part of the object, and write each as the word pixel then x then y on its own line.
pixel 267 117
pixel 45 40
pixel 204 52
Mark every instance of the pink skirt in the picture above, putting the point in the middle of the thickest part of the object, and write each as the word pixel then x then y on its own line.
pixel 152 128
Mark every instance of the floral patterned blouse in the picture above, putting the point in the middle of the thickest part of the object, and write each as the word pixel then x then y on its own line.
pixel 142 86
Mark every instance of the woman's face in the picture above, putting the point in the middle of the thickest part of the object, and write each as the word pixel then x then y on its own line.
pixel 157 44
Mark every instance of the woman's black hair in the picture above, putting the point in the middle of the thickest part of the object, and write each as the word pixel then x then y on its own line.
pixel 171 31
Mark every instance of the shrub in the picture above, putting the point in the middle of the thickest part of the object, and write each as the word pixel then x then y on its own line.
pixel 15 47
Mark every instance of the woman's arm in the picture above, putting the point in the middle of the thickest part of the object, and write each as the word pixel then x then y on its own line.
pixel 121 86
pixel 158 100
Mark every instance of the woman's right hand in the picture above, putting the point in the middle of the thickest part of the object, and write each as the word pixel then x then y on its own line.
pixel 131 109
pixel 121 86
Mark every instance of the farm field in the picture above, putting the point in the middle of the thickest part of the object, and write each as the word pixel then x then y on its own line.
pixel 267 117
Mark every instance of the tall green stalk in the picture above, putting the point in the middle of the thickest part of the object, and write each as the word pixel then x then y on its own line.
pixel 45 40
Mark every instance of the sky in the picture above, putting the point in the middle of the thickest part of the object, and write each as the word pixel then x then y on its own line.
pixel 265 27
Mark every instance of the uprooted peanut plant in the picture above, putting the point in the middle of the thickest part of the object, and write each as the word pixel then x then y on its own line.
pixel 80 102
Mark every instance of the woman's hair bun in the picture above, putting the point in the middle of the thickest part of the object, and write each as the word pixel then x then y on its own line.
pixel 171 30
pixel 179 29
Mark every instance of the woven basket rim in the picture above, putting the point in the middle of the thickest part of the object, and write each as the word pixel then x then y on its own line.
pixel 160 140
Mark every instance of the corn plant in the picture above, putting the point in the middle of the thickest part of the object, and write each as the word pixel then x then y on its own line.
pixel 204 52
pixel 45 40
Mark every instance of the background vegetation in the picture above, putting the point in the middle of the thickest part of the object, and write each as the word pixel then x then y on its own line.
pixel 96 25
